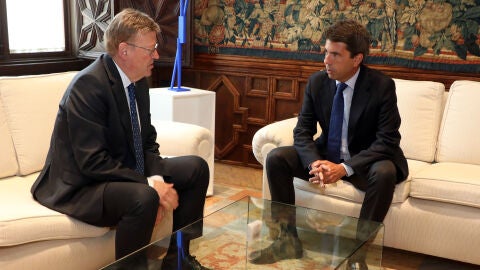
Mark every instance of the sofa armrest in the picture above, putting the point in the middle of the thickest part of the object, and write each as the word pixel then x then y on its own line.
pixel 272 136
pixel 180 139
pixel 266 139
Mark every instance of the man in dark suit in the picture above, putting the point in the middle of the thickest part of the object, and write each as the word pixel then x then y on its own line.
pixel 103 146
pixel 364 146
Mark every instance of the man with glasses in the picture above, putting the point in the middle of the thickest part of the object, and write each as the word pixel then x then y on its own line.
pixel 104 166
pixel 150 51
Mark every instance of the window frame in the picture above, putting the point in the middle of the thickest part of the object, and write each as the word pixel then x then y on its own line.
pixel 42 62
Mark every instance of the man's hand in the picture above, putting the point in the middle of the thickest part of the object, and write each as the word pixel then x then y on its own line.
pixel 326 172
pixel 160 215
pixel 168 195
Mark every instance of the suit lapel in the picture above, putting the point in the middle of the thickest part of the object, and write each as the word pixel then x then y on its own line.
pixel 120 97
pixel 361 96
pixel 327 100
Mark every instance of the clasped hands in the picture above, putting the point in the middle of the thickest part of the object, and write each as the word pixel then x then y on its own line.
pixel 168 196
pixel 326 172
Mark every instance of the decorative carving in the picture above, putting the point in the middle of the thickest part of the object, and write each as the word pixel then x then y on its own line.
pixel 257 96
pixel 231 118
pixel 94 18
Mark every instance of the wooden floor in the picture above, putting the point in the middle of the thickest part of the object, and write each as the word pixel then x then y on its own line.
pixel 248 181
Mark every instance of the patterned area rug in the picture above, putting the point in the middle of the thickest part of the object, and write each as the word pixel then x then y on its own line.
pixel 230 253
pixel 226 248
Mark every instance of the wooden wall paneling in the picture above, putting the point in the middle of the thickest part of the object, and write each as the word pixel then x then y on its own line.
pixel 286 98
pixel 230 119
pixel 242 103
pixel 252 95
pixel 256 99
pixel 257 96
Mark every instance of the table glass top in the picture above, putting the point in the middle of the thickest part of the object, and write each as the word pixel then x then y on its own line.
pixel 231 235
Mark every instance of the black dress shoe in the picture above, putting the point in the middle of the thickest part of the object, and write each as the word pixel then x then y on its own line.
pixel 190 262
pixel 354 265
pixel 284 247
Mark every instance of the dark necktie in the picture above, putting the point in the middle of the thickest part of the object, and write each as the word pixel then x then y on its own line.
pixel 335 129
pixel 137 137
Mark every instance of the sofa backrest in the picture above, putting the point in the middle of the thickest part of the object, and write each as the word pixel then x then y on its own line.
pixel 29 105
pixel 459 132
pixel 420 104
pixel 8 161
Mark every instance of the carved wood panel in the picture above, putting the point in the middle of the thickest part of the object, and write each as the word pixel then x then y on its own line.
pixel 92 21
pixel 246 100
pixel 251 95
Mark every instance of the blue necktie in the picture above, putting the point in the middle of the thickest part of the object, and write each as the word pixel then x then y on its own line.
pixel 335 130
pixel 137 137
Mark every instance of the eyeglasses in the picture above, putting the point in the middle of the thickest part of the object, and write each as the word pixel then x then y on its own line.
pixel 150 51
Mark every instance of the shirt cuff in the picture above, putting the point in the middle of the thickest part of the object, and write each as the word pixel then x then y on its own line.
pixel 154 178
pixel 348 169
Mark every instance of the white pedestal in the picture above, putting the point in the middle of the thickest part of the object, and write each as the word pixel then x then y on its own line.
pixel 194 107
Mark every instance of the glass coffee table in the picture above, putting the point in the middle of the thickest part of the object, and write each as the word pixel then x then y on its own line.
pixel 233 232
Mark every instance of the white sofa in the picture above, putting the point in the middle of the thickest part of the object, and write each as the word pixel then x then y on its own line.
pixel 436 211
pixel 31 235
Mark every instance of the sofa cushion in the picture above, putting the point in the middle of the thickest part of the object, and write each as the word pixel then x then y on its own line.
pixel 345 190
pixel 459 132
pixel 31 104
pixel 23 220
pixel 448 182
pixel 8 161
pixel 420 104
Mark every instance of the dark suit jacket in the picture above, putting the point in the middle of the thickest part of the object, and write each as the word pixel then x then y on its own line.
pixel 92 142
pixel 373 125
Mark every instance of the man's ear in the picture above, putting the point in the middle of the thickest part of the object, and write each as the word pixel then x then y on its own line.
pixel 122 49
pixel 358 59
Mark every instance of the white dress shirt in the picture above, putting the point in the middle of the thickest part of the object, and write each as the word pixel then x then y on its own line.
pixel 347 102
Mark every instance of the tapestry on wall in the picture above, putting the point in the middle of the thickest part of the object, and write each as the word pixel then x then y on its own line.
pixel 435 34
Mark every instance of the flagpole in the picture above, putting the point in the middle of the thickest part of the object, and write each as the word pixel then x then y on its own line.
pixel 182 31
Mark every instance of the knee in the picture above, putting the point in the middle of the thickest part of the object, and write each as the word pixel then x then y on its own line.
pixel 199 163
pixel 200 169
pixel 274 157
pixel 145 199
pixel 383 175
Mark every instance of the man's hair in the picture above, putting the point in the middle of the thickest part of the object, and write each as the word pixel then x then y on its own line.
pixel 126 25
pixel 351 33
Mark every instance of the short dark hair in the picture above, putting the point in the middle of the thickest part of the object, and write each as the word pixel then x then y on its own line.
pixel 351 33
